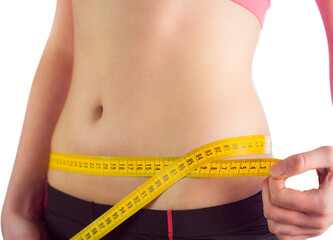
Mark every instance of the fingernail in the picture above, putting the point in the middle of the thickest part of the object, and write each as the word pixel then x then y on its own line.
pixel 277 169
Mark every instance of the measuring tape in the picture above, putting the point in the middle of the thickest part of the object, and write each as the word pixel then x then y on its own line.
pixel 165 171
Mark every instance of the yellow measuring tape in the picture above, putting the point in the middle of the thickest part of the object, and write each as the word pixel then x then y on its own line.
pixel 204 161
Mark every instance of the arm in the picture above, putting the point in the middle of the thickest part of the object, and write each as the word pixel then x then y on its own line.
pixel 47 96
pixel 294 214
pixel 326 10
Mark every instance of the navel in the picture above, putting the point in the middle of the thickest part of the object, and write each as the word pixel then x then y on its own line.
pixel 98 112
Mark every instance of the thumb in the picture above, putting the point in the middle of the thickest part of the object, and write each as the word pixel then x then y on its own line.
pixel 321 157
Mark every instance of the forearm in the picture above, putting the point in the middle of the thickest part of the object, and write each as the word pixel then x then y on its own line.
pixel 47 96
pixel 326 10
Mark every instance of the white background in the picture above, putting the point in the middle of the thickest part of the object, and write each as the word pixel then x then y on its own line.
pixel 290 71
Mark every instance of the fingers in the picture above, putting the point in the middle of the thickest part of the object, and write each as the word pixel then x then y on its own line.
pixel 293 214
pixel 287 237
pixel 283 215
pixel 310 201
pixel 288 223
pixel 291 230
pixel 321 157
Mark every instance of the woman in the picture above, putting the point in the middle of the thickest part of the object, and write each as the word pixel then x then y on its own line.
pixel 143 78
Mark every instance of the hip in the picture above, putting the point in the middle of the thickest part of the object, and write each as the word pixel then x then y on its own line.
pixel 66 215
pixel 189 193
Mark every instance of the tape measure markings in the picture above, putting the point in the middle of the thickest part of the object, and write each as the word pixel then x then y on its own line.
pixel 216 168
pixel 166 177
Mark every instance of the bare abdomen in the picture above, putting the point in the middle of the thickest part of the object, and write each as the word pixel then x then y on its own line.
pixel 140 91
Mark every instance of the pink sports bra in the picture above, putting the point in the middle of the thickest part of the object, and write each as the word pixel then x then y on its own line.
pixel 257 7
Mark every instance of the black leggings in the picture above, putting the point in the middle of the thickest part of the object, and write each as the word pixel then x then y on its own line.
pixel 244 220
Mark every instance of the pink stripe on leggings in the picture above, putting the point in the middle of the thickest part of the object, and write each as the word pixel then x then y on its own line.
pixel 170 230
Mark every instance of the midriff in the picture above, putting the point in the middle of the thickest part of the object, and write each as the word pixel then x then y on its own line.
pixel 159 78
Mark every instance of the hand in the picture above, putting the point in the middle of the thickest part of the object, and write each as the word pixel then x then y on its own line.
pixel 19 227
pixel 298 215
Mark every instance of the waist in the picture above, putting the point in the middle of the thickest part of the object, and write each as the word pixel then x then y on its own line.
pixel 189 193
pixel 145 125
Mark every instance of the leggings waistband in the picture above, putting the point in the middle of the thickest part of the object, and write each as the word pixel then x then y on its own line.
pixel 241 217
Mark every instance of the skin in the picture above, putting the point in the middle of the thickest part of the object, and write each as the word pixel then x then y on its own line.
pixel 23 219
pixel 183 45
pixel 294 214
pixel 299 215
pixel 165 74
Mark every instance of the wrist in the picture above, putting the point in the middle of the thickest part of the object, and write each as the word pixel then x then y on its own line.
pixel 27 203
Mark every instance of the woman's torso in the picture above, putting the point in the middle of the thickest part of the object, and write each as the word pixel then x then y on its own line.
pixel 159 78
